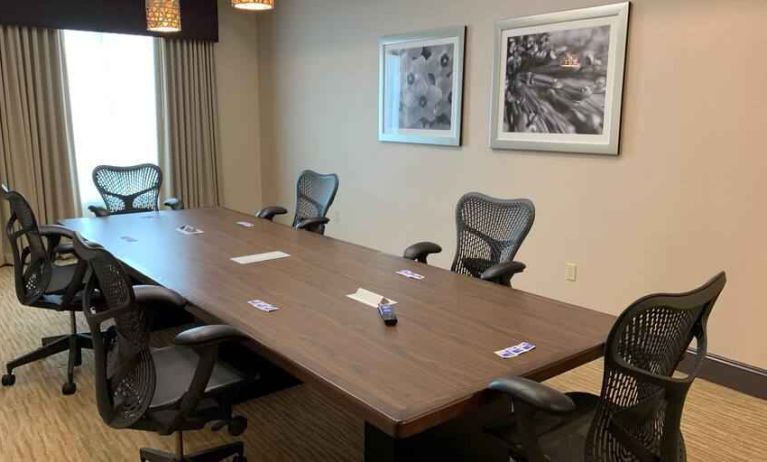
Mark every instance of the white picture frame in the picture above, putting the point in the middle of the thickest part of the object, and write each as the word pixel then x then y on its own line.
pixel 558 81
pixel 421 87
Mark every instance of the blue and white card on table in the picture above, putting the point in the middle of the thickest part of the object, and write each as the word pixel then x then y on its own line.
pixel 410 275
pixel 263 306
pixel 189 230
pixel 516 350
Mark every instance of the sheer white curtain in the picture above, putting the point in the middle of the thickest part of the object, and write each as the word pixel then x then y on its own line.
pixel 113 96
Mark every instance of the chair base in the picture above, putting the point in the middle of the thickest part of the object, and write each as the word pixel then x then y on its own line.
pixel 74 343
pixel 216 454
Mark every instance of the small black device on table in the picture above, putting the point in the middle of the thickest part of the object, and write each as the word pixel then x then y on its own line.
pixel 387 313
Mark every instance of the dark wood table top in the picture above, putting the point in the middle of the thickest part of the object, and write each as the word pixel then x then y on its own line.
pixel 432 367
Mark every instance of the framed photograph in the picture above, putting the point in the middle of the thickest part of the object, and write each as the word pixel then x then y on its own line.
pixel 421 87
pixel 558 81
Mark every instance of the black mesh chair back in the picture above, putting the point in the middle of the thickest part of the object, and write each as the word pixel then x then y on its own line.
pixel 490 231
pixel 315 195
pixel 32 262
pixel 129 189
pixel 125 371
pixel 640 406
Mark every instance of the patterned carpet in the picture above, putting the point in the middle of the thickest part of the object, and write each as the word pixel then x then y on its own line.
pixel 37 423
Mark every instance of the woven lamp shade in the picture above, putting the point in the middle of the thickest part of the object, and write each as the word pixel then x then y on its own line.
pixel 253 4
pixel 163 15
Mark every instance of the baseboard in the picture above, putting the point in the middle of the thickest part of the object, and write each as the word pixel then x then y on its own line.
pixel 731 374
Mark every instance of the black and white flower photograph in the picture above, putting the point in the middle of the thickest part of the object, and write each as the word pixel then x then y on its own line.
pixel 421 87
pixel 556 81
pixel 426 83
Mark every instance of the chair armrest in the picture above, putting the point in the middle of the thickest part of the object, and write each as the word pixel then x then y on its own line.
pixel 65 249
pixel 174 203
pixel 157 295
pixel 502 273
pixel 208 335
pixel 537 395
pixel 670 383
pixel 268 213
pixel 53 234
pixel 314 224
pixel 99 211
pixel 421 251
pixel 205 341
pixel 56 230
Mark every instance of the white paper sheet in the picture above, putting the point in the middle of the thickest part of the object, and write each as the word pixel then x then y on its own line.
pixel 369 298
pixel 260 257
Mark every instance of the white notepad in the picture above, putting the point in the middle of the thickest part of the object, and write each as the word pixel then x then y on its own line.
pixel 369 298
pixel 259 257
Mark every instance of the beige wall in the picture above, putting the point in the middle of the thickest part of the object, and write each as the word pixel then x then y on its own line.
pixel 237 82
pixel 684 199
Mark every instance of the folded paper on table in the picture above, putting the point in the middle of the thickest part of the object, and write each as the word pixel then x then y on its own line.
pixel 369 298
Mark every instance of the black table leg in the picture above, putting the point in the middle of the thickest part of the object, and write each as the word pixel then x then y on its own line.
pixel 460 440
pixel 380 447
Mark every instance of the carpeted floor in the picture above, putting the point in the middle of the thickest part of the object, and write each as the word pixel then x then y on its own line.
pixel 37 423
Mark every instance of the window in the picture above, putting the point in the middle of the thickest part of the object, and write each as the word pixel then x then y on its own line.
pixel 113 98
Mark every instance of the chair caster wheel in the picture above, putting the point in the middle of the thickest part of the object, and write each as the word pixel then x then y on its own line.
pixel 237 426
pixel 69 388
pixel 9 380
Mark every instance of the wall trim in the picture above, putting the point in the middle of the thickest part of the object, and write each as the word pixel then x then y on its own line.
pixel 741 377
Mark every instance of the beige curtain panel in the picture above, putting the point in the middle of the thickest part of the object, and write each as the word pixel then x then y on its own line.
pixel 36 156
pixel 189 151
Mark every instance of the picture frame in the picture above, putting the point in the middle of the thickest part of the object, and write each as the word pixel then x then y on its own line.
pixel 558 81
pixel 421 87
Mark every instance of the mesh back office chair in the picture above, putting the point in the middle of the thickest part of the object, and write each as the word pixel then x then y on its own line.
pixel 42 284
pixel 315 194
pixel 130 189
pixel 166 390
pixel 490 232
pixel 637 415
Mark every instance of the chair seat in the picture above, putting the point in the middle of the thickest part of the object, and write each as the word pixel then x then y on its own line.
pixel 562 438
pixel 175 368
pixel 61 277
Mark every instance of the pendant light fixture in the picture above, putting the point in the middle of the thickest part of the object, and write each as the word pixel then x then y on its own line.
pixel 163 16
pixel 256 5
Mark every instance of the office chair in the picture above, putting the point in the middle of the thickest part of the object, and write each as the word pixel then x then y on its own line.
pixel 130 190
pixel 164 390
pixel 490 232
pixel 41 283
pixel 637 415
pixel 315 194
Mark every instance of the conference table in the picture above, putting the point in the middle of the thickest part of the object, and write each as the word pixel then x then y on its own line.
pixel 407 381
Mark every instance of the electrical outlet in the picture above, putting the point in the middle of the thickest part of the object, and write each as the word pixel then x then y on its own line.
pixel 571 271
